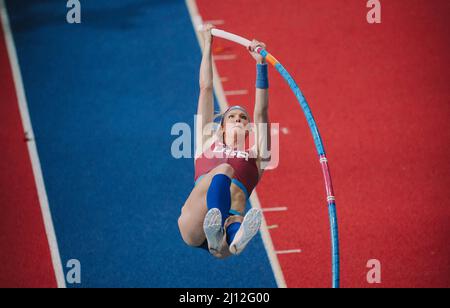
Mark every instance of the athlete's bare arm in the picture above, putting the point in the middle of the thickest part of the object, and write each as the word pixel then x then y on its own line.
pixel 205 109
pixel 261 111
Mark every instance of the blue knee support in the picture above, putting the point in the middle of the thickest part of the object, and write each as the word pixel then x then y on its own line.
pixel 231 231
pixel 219 195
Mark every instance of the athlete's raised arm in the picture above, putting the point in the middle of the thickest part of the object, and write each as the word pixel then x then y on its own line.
pixel 261 110
pixel 205 109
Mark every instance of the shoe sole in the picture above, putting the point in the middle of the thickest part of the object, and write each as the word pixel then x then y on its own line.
pixel 249 228
pixel 212 226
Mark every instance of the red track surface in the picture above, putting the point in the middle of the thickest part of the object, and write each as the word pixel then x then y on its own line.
pixel 24 253
pixel 380 96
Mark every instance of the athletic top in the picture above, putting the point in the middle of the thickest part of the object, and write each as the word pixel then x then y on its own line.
pixel 246 174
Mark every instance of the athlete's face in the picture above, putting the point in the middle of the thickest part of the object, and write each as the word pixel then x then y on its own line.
pixel 235 122
pixel 235 127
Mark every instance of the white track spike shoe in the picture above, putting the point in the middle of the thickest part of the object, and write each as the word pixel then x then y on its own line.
pixel 249 228
pixel 212 225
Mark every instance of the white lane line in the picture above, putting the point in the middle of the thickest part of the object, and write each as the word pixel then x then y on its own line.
pixel 284 252
pixel 274 209
pixel 224 57
pixel 222 100
pixel 36 165
pixel 236 92
pixel 272 227
pixel 217 22
pixel 224 79
pixel 268 244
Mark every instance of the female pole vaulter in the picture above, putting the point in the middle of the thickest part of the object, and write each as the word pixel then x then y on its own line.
pixel 226 171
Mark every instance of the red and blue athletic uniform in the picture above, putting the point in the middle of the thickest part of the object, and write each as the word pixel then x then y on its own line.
pixel 246 174
pixel 246 177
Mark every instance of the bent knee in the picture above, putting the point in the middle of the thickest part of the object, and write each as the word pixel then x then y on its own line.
pixel 192 239
pixel 192 236
pixel 226 169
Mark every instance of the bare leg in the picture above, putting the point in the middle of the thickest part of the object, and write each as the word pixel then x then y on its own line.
pixel 194 210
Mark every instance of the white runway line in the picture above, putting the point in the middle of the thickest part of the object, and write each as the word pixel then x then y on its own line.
pixel 274 209
pixel 284 252
pixel 217 22
pixel 268 244
pixel 32 150
pixel 224 57
pixel 236 92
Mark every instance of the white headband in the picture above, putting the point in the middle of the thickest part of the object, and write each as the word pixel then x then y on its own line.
pixel 234 108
